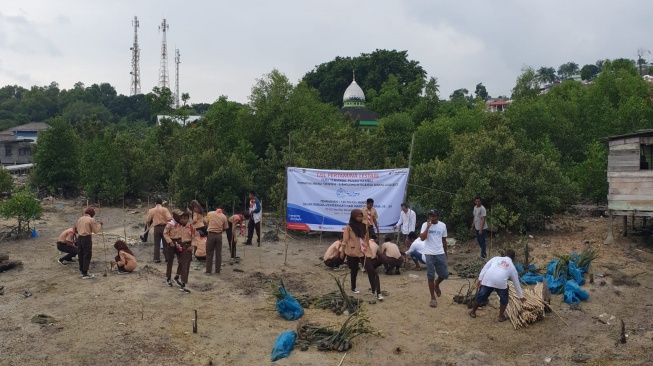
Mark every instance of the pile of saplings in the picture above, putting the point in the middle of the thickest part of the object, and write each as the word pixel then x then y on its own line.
pixel 330 339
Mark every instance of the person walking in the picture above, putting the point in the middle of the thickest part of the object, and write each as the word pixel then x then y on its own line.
pixel 352 238
pixel 157 217
pixel 479 225
pixel 86 226
pixel 66 244
pixel 217 224
pixel 254 220
pixel 494 277
pixel 370 216
pixel 434 236
pixel 406 223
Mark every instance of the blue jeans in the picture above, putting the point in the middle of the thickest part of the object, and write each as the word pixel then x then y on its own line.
pixel 418 256
pixel 485 291
pixel 480 238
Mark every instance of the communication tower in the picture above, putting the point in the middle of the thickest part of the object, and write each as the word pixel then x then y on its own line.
pixel 177 61
pixel 163 67
pixel 136 57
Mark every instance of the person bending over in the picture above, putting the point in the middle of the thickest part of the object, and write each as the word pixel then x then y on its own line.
pixel 335 255
pixel 66 244
pixel 391 256
pixel 125 260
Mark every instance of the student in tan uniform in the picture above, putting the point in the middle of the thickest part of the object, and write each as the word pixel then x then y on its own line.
pixel 335 255
pixel 352 239
pixel 86 226
pixel 217 224
pixel 390 256
pixel 179 237
pixel 197 218
pixel 158 217
pixel 232 235
pixel 125 260
pixel 372 262
pixel 66 244
pixel 370 216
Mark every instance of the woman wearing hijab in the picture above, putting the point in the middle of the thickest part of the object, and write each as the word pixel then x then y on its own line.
pixel 198 217
pixel 125 260
pixel 352 238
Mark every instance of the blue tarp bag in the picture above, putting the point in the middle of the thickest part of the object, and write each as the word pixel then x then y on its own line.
pixel 556 285
pixel 551 267
pixel 519 268
pixel 288 307
pixel 573 293
pixel 284 345
pixel 576 273
pixel 531 278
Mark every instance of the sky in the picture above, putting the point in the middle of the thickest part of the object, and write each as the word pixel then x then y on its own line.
pixel 225 46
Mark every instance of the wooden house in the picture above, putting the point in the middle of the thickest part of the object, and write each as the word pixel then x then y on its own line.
pixel 630 175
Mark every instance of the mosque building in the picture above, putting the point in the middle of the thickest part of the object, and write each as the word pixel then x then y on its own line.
pixel 354 106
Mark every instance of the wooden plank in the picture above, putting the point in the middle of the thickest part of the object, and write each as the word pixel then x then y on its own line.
pixel 632 197
pixel 633 213
pixel 638 174
pixel 629 191
pixel 633 185
pixel 646 140
pixel 624 152
pixel 631 157
pixel 618 147
pixel 621 142
pixel 628 206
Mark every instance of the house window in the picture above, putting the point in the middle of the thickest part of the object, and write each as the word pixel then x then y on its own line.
pixel 8 151
pixel 24 151
pixel 645 157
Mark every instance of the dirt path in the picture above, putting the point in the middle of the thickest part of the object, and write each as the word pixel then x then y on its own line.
pixel 136 319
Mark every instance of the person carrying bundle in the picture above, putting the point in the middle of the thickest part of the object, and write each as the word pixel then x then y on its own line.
pixel 66 244
pixel 179 236
pixel 158 217
pixel 125 260
pixel 390 256
pixel 86 226
pixel 335 255
pixel 494 277
pixel 232 235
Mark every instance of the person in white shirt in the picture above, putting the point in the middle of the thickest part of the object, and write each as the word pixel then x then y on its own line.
pixel 434 236
pixel 494 277
pixel 416 252
pixel 406 223
pixel 479 225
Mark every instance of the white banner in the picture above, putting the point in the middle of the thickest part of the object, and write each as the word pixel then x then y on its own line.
pixel 322 200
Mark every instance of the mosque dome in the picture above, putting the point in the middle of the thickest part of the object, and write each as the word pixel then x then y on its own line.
pixel 354 93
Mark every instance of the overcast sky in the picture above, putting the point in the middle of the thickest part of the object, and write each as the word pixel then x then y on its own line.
pixel 226 45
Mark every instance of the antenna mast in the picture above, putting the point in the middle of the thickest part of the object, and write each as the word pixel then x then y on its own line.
pixel 163 67
pixel 136 57
pixel 177 61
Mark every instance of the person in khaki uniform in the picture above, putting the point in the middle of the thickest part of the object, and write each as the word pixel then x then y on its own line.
pixel 232 235
pixel 179 237
pixel 125 260
pixel 390 256
pixel 86 226
pixel 352 238
pixel 158 217
pixel 217 224
pixel 66 244
pixel 370 216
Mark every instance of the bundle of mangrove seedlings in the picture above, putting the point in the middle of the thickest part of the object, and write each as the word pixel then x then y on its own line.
pixel 586 257
pixel 338 301
pixel 468 297
pixel 330 338
pixel 471 269
pixel 523 314
pixel 306 300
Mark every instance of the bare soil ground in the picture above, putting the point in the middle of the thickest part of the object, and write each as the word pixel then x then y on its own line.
pixel 137 320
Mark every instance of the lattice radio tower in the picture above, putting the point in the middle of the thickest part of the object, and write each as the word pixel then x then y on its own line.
pixel 136 57
pixel 163 67
pixel 177 61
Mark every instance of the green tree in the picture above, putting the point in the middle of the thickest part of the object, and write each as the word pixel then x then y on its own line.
pixel 527 85
pixel 57 157
pixel 185 97
pixel 546 75
pixel 590 175
pixel 6 181
pixel 24 208
pixel 481 92
pixel 589 72
pixel 567 70
pixel 427 106
pixel 102 174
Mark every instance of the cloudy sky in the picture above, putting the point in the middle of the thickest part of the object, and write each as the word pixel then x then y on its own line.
pixel 226 45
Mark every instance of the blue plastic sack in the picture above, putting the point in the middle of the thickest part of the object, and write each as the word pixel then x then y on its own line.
pixel 573 293
pixel 556 285
pixel 551 267
pixel 519 268
pixel 532 268
pixel 288 307
pixel 531 278
pixel 284 345
pixel 576 273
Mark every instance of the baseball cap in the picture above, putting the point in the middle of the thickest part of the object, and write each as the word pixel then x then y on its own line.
pixel 434 212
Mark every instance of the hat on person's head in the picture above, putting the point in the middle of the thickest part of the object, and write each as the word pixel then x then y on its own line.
pixel 434 212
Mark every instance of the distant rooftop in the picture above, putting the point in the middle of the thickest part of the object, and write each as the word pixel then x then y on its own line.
pixel 33 126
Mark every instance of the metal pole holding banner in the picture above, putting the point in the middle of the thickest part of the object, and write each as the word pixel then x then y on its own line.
pixel 321 231
pixel 410 160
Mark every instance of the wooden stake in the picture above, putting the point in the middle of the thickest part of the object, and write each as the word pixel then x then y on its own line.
pixel 623 332
pixel 195 323
pixel 554 312
pixel 343 358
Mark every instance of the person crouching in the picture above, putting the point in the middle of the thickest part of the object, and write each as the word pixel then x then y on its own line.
pixel 390 256
pixel 125 260
pixel 335 255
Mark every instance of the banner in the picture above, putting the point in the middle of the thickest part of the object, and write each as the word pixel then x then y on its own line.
pixel 322 200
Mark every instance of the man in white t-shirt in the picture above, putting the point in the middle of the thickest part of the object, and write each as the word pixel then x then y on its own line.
pixel 434 236
pixel 494 277
pixel 416 252
pixel 479 225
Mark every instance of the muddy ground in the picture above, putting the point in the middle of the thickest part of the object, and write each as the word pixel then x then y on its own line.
pixel 137 320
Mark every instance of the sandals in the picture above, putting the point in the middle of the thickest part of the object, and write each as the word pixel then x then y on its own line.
pixel 501 320
pixel 438 292
pixel 472 315
pixel 433 303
